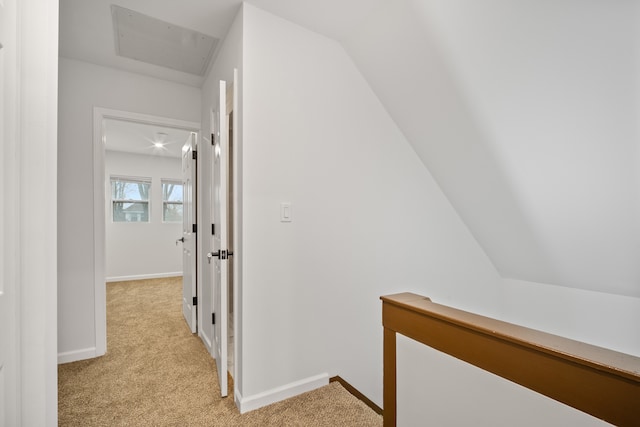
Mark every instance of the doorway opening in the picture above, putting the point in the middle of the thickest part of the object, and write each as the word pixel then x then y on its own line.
pixel 144 199
pixel 107 207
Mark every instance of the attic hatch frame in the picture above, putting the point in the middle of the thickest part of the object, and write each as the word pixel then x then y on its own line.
pixel 147 39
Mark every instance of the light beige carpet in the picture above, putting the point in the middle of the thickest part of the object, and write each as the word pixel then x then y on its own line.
pixel 156 373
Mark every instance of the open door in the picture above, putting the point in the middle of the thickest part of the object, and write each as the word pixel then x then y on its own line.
pixel 188 239
pixel 220 254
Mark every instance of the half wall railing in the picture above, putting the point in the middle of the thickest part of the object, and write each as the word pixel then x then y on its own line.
pixel 595 380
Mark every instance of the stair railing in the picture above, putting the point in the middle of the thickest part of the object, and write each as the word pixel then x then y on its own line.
pixel 595 380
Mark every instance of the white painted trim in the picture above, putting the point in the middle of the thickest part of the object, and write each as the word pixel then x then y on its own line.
pixel 99 236
pixel 74 356
pixel 237 224
pixel 36 181
pixel 278 394
pixel 143 276
pixel 237 397
pixel 99 116
pixel 10 220
pixel 205 340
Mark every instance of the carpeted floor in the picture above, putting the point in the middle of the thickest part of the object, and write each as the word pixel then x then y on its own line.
pixel 156 373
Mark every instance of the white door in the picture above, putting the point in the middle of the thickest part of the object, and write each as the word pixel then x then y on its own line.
pixel 189 293
pixel 8 235
pixel 205 297
pixel 219 254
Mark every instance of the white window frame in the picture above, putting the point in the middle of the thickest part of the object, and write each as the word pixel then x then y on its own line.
pixel 164 181
pixel 135 180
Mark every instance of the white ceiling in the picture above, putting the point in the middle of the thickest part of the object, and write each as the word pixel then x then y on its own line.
pixel 87 34
pixel 139 138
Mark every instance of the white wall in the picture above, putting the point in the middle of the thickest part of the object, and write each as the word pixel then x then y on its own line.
pixel 597 318
pixel 368 218
pixel 446 391
pixel 601 319
pixel 81 87
pixel 228 58
pixel 142 250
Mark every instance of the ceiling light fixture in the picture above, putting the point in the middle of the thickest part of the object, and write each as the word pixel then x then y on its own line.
pixel 160 140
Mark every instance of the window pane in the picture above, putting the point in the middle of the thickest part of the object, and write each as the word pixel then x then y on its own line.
pixel 171 191
pixel 129 190
pixel 130 212
pixel 172 201
pixel 172 212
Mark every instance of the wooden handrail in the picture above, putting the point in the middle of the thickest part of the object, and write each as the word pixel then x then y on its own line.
pixel 595 380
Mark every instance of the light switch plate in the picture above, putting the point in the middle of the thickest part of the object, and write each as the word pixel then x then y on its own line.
pixel 286 213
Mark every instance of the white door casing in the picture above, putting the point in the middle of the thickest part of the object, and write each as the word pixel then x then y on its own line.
pixel 234 285
pixel 8 230
pixel 232 114
pixel 219 255
pixel 28 238
pixel 189 183
pixel 4 300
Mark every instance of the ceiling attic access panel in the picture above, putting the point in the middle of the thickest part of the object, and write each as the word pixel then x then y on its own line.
pixel 150 40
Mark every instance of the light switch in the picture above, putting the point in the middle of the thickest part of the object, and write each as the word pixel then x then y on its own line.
pixel 286 214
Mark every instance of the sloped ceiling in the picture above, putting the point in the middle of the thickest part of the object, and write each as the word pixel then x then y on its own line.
pixel 527 113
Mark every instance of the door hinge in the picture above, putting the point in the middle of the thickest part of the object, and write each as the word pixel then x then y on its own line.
pixel 194 154
pixel 213 318
pixel 194 228
pixel 213 139
pixel 213 229
pixel 195 301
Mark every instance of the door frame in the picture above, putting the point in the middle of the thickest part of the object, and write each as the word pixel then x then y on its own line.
pixel 99 205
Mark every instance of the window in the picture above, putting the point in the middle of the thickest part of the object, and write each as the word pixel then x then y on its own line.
pixel 171 201
pixel 130 199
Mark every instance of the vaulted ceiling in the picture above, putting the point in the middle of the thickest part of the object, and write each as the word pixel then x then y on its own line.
pixel 527 113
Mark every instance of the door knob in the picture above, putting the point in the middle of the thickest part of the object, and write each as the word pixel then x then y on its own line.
pixel 213 254
pixel 219 255
pixel 180 240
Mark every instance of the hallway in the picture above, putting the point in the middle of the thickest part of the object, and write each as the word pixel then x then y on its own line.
pixel 157 373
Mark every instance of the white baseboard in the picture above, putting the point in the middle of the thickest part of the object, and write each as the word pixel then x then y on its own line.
pixel 246 404
pixel 74 356
pixel 143 276
pixel 237 396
